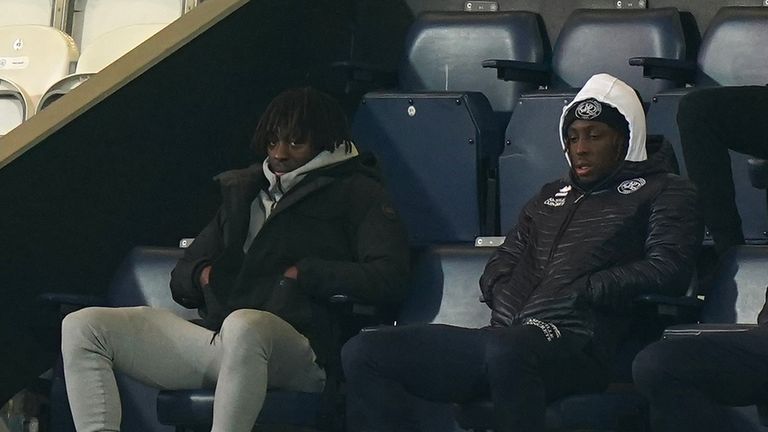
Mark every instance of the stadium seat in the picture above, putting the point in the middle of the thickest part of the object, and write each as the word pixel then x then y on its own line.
pixel 99 55
pixel 99 17
pixel 444 51
pixel 736 293
pixel 437 152
pixel 143 279
pixel 13 106
pixel 25 12
pixel 444 123
pixel 733 52
pixel 444 287
pixel 532 153
pixel 35 57
pixel 733 301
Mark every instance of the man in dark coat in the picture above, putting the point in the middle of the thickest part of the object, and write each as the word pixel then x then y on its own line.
pixel 560 287
pixel 309 222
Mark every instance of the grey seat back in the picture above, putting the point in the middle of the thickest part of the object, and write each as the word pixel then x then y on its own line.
pixel 733 49
pixel 444 52
pixel 602 41
pixel 444 287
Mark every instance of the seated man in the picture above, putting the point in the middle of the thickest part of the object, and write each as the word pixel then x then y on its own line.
pixel 711 121
pixel 690 381
pixel 560 287
pixel 310 221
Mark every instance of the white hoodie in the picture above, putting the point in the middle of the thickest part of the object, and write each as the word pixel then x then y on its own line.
pixel 615 92
pixel 262 205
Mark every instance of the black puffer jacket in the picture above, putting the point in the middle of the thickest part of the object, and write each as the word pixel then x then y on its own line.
pixel 636 233
pixel 336 225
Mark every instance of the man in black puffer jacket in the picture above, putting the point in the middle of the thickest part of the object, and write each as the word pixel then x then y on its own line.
pixel 560 287
pixel 310 221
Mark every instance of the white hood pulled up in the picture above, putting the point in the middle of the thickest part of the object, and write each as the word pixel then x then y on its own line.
pixel 615 92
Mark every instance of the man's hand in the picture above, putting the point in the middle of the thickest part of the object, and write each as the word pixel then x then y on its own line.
pixel 205 275
pixel 291 272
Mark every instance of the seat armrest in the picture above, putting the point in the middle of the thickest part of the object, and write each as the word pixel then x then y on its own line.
pixel 356 306
pixel 515 70
pixel 72 300
pixel 681 71
pixel 375 328
pixel 678 306
pixel 66 303
pixel 758 172
pixel 692 330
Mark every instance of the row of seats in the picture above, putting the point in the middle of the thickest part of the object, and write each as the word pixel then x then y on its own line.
pixel 87 20
pixel 464 151
pixel 442 289
pixel 40 62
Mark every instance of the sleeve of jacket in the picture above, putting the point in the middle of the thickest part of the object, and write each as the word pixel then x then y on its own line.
pixel 502 263
pixel 674 236
pixel 382 266
pixel 185 277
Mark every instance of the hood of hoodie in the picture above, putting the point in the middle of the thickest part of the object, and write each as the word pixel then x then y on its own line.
pixel 255 175
pixel 280 185
pixel 612 91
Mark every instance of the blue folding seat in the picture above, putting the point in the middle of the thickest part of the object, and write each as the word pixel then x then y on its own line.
pixel 444 51
pixel 591 41
pixel 436 152
pixel 143 280
pixel 438 136
pixel 733 52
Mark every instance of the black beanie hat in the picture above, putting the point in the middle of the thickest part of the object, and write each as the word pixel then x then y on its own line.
pixel 594 110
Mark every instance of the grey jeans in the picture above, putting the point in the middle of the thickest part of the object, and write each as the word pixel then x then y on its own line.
pixel 254 350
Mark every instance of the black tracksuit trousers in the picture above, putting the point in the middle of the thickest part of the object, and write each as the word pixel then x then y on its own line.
pixel 711 121
pixel 691 380
pixel 516 367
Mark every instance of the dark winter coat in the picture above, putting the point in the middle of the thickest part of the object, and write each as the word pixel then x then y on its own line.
pixel 336 226
pixel 578 257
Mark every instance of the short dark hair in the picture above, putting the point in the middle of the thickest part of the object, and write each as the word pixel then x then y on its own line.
pixel 301 114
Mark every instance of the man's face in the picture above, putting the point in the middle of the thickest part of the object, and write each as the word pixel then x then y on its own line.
pixel 595 149
pixel 285 157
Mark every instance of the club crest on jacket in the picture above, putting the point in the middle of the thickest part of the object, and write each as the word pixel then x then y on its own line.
pixel 628 186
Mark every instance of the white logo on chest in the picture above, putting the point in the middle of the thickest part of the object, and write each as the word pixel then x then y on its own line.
pixel 559 199
pixel 628 186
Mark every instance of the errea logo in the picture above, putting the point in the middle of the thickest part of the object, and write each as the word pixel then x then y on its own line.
pixel 559 199
pixel 629 186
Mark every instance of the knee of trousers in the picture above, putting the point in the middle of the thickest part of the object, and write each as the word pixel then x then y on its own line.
pixel 356 352
pixel 697 105
pixel 80 330
pixel 653 367
pixel 503 356
pixel 250 328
